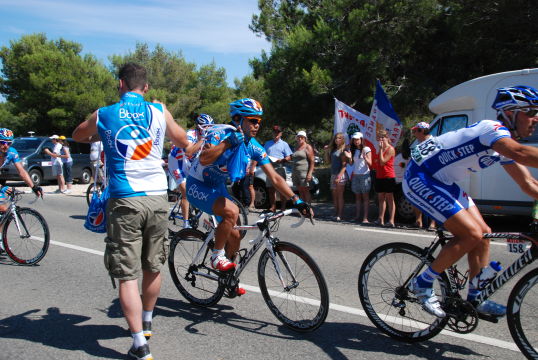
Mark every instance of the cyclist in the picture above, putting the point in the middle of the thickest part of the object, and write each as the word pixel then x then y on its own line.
pixel 206 183
pixel 9 155
pixel 180 159
pixel 430 184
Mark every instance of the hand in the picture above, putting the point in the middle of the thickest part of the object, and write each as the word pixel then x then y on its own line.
pixel 235 138
pixel 38 191
pixel 304 208
pixel 347 154
pixel 308 178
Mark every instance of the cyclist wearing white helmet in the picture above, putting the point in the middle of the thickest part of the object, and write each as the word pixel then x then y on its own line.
pixel 430 184
pixel 206 183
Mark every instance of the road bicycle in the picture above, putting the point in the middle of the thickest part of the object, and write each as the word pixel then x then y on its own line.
pixel 386 273
pixel 25 233
pixel 197 217
pixel 98 185
pixel 291 283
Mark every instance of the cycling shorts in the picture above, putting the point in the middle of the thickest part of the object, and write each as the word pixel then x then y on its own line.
pixel 433 197
pixel 203 196
pixel 177 172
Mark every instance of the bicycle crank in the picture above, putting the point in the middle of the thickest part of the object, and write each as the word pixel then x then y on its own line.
pixel 462 316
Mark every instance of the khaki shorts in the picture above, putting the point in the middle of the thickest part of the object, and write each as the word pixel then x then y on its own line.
pixel 137 235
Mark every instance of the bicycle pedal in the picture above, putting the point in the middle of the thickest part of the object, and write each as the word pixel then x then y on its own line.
pixel 491 318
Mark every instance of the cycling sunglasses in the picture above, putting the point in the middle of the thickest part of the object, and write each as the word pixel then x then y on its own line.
pixel 2 142
pixel 253 119
pixel 530 112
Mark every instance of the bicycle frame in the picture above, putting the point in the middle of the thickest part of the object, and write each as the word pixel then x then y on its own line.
pixel 264 233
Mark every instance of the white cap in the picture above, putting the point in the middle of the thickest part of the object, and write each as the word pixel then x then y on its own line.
pixel 301 133
pixel 357 135
pixel 54 137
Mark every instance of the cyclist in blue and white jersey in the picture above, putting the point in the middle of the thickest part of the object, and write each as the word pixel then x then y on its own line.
pixel 206 183
pixel 9 155
pixel 439 162
pixel 180 159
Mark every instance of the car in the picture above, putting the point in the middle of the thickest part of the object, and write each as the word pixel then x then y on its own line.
pixel 38 164
pixel 261 200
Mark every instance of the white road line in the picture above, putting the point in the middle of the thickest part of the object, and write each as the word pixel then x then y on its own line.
pixel 346 309
pixel 430 236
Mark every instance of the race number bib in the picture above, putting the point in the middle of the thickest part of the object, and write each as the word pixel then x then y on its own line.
pixel 425 150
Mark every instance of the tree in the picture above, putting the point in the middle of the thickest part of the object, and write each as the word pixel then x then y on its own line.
pixel 51 86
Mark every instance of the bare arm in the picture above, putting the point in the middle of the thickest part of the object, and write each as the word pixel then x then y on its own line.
pixel 523 178
pixel 67 153
pixel 310 159
pixel 368 159
pixel 86 132
pixel 385 156
pixel 193 148
pixel 24 174
pixel 50 153
pixel 211 152
pixel 175 133
pixel 522 154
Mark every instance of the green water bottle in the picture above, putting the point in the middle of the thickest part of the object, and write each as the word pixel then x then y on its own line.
pixel 534 224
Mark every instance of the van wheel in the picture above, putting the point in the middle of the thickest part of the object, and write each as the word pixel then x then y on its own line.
pixel 261 199
pixel 404 209
pixel 86 176
pixel 36 176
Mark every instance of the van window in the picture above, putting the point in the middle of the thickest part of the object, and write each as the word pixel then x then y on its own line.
pixel 26 144
pixel 452 123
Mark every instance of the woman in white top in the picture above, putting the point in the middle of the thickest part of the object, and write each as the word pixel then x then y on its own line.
pixel 361 182
pixel 67 164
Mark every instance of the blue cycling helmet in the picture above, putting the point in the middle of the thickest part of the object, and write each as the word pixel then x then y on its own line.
pixel 204 120
pixel 6 134
pixel 246 107
pixel 514 98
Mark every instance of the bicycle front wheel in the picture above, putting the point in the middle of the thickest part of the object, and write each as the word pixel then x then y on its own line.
pixel 521 314
pixel 26 236
pixel 300 300
pixel 387 302
pixel 197 282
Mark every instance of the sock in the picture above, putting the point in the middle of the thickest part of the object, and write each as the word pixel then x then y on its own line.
pixel 216 253
pixel 472 294
pixel 186 223
pixel 147 315
pixel 426 279
pixel 138 339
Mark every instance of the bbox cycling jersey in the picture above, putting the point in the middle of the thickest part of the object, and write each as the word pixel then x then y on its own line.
pixel 438 162
pixel 132 132
pixel 10 157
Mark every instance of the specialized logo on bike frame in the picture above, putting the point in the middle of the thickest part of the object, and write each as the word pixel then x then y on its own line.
pixel 425 192
pixel 197 194
pixel 133 142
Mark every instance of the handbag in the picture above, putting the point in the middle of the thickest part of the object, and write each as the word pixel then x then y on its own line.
pixel 96 217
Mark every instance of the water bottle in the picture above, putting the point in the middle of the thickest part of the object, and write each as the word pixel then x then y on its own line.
pixel 486 275
pixel 534 224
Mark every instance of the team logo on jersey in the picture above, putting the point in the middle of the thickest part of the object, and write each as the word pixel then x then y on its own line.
pixel 133 142
pixel 487 161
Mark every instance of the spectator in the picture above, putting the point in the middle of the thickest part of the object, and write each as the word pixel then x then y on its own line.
pixel 338 160
pixel 138 205
pixel 67 164
pixel 385 182
pixel 250 174
pixel 361 182
pixel 96 149
pixel 421 132
pixel 303 166
pixel 56 162
pixel 279 152
pixel 243 189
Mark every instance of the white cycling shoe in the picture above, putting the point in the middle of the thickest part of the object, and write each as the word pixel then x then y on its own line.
pixel 428 299
pixel 489 307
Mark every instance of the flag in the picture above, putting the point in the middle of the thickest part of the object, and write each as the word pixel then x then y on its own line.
pixel 384 116
pixel 348 121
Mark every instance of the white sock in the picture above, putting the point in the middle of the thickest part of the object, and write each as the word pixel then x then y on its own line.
pixel 147 315
pixel 216 253
pixel 138 339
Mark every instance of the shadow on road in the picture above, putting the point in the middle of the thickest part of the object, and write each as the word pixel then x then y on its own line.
pixel 61 331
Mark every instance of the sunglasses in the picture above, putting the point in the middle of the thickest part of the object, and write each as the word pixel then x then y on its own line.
pixel 253 120
pixel 530 112
pixel 6 142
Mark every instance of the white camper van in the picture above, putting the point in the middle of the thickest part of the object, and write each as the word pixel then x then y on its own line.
pixel 492 189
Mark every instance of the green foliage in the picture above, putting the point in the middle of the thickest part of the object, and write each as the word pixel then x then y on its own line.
pixel 50 86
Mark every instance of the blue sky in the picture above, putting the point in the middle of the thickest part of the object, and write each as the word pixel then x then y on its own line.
pixel 202 30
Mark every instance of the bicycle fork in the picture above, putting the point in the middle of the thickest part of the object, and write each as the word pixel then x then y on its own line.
pixel 294 282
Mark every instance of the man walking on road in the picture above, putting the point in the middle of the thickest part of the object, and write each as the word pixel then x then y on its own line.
pixel 132 132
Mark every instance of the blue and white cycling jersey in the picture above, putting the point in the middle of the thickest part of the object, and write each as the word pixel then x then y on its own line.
pixel 217 172
pixel 10 157
pixel 132 132
pixel 439 162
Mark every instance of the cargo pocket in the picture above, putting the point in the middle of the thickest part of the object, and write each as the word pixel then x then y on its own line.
pixel 111 258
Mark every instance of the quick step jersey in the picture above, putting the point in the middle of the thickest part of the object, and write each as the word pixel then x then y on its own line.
pixel 449 157
pixel 132 132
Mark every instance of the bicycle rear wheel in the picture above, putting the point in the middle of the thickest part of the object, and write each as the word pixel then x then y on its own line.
pixel 303 303
pixel 26 236
pixel 521 314
pixel 198 283
pixel 389 305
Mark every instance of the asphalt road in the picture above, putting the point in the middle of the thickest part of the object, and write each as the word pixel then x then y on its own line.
pixel 66 307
